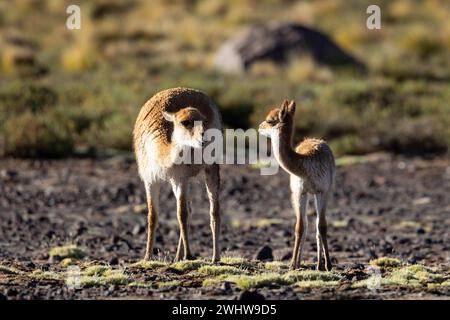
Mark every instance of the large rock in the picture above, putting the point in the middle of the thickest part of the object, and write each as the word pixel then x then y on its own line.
pixel 277 42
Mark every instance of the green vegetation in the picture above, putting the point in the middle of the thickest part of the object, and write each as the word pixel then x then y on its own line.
pixel 242 273
pixel 266 279
pixel 113 277
pixel 67 91
pixel 67 251
pixel 219 270
pixel 8 270
pixel 144 264
pixel 95 270
pixel 99 275
pixel 66 262
pixel 316 284
pixel 46 275
pixel 276 266
pixel 188 265
pixel 305 278
pixel 235 261
pixel 169 284
pixel 386 262
pixel 416 276
pixel 312 275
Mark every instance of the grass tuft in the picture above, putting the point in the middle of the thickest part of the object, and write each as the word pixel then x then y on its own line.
pixel 268 279
pixel 312 275
pixel 209 282
pixel 8 270
pixel 316 284
pixel 46 275
pixel 95 270
pixel 236 261
pixel 151 265
pixel 442 285
pixel 188 265
pixel 276 266
pixel 169 284
pixel 68 251
pixel 220 270
pixel 386 262
pixel 107 277
pixel 416 276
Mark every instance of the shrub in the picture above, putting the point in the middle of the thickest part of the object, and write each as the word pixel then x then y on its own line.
pixel 411 136
pixel 17 98
pixel 42 136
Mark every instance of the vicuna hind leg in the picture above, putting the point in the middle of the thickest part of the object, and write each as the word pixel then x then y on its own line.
pixel 212 180
pixel 180 190
pixel 321 226
pixel 152 192
pixel 299 202
pixel 180 248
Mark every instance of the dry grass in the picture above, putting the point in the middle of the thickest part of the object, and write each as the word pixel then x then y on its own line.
pixel 102 73
pixel 277 266
pixel 151 265
pixel 67 251
pixel 169 284
pixel 386 262
pixel 8 270
pixel 188 265
pixel 242 273
pixel 415 276
pixel 220 270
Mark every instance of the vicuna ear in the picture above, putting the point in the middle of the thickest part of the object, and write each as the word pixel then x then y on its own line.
pixel 168 116
pixel 291 107
pixel 283 112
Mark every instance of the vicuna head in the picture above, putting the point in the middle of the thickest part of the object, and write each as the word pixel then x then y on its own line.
pixel 188 124
pixel 276 118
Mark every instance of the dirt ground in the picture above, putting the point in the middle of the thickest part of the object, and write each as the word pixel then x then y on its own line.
pixel 385 206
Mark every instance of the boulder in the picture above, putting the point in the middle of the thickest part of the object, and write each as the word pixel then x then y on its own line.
pixel 278 42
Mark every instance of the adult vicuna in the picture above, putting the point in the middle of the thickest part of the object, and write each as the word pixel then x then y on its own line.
pixel 171 121
pixel 312 169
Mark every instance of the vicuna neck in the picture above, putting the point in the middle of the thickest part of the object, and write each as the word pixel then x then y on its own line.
pixel 286 156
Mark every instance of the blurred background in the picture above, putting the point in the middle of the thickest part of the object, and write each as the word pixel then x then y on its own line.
pixel 70 92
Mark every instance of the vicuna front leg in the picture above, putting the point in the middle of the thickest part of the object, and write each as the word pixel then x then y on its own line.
pixel 212 180
pixel 152 192
pixel 321 235
pixel 299 202
pixel 180 191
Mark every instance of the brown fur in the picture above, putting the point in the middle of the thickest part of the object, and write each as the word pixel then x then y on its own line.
pixel 311 168
pixel 150 119
pixel 153 145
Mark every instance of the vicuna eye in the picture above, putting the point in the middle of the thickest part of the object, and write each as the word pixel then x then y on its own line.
pixel 186 123
pixel 271 122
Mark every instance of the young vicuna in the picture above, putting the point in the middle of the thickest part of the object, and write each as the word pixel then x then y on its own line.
pixel 171 121
pixel 311 168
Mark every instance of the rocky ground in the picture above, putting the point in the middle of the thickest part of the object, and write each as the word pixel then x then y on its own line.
pixel 382 206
